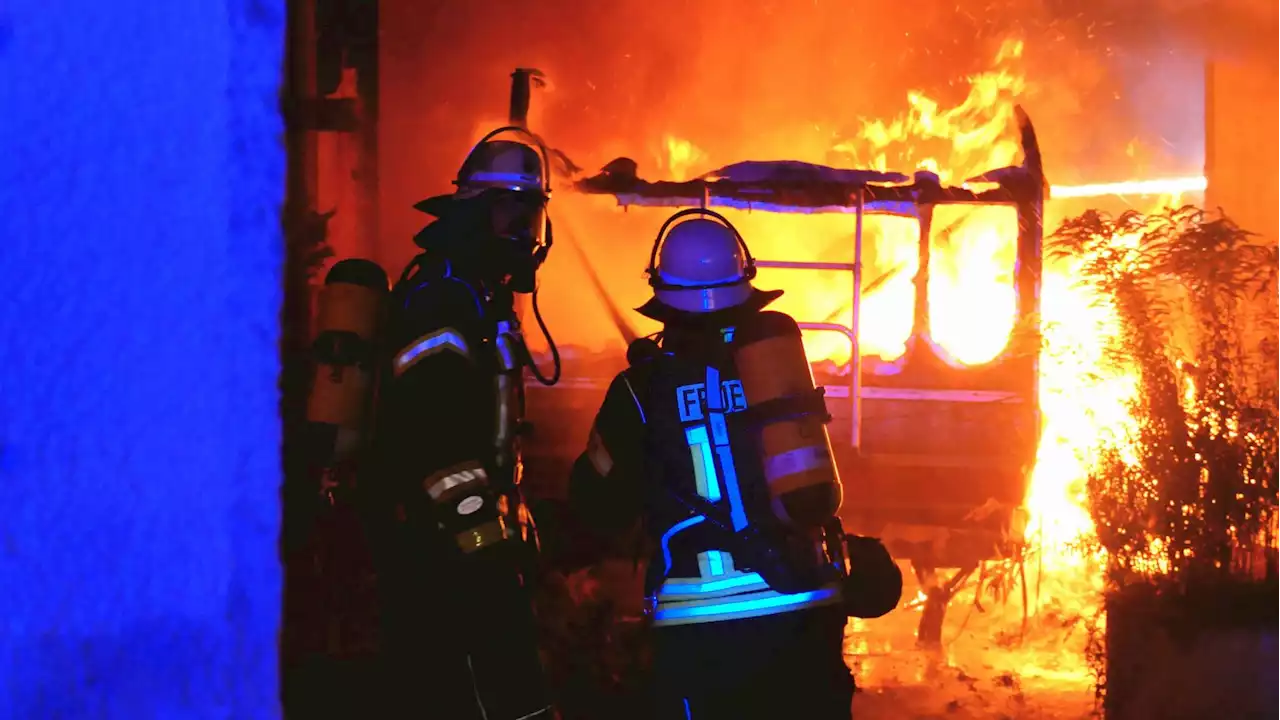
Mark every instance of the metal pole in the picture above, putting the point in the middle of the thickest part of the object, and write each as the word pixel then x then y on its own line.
pixel 855 360
pixel 518 107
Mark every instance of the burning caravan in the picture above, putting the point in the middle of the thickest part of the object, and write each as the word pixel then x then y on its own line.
pixel 936 456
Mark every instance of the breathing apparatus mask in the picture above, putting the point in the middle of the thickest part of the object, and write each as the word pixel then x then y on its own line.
pixel 494 229
pixel 503 189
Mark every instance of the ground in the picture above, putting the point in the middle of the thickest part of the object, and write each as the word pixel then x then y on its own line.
pixel 972 678
pixel 992 665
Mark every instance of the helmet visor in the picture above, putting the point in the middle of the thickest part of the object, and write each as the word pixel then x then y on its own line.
pixel 517 216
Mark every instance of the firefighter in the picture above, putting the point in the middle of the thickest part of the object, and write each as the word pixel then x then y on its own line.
pixel 747 581
pixel 459 552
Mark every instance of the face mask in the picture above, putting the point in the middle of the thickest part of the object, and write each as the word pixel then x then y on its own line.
pixel 500 235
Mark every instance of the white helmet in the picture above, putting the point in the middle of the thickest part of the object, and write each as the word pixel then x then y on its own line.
pixel 700 265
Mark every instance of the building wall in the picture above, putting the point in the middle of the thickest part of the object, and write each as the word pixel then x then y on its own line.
pixel 141 174
pixel 1242 149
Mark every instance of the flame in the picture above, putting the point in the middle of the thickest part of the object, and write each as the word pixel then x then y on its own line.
pixel 681 158
pixel 972 307
pixel 974 135
pixel 970 288
pixel 971 300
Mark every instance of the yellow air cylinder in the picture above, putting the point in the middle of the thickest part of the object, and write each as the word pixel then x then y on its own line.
pixel 791 418
pixel 349 310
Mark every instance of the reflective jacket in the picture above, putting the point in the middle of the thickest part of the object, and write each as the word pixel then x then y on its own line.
pixel 458 549
pixel 449 404
pixel 661 437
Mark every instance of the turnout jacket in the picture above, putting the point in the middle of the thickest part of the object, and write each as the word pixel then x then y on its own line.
pixel 459 545
pixel 669 448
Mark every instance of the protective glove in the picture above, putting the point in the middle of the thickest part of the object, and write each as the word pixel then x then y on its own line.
pixel 874 584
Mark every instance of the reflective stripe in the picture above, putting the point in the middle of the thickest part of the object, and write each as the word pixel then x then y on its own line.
pixel 737 513
pixel 687 716
pixel 598 454
pixel 518 180
pixel 505 342
pixel 678 589
pixel 800 460
pixel 720 435
pixel 670 533
pixel 428 345
pixel 475 688
pixel 502 436
pixel 639 407
pixel 711 563
pixel 704 468
pixel 483 535
pixel 715 401
pixel 735 607
pixel 469 473
pixel 719 432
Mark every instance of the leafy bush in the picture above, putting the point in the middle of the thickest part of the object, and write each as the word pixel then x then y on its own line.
pixel 1187 495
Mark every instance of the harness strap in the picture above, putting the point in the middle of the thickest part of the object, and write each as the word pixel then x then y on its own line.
pixel 809 404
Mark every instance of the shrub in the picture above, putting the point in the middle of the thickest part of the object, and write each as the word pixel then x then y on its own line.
pixel 1187 496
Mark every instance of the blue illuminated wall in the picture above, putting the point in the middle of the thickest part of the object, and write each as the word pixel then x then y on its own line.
pixel 141 174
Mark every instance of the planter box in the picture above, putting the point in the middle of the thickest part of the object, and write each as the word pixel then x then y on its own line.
pixel 1179 657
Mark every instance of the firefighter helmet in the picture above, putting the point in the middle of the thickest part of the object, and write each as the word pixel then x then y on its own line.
pixel 501 164
pixel 508 182
pixel 700 263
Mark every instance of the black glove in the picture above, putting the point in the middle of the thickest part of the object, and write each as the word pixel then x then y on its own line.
pixel 874 585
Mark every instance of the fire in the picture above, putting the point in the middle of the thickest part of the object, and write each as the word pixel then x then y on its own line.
pixel 971 297
pixel 973 136
pixel 970 288
pixel 681 158
pixel 972 301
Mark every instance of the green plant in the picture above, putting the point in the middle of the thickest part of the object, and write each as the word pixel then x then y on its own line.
pixel 1190 489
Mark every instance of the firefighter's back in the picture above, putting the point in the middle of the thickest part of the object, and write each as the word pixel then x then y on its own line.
pixel 745 619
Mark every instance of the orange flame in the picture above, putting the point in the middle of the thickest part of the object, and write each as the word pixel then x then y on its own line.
pixel 970 289
pixel 971 298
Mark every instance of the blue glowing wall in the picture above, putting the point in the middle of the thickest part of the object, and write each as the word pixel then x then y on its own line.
pixel 141 173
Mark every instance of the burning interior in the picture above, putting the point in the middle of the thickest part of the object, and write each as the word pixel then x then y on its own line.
pixel 937 444
pixel 965 374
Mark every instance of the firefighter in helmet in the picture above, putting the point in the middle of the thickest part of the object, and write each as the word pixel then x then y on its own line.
pixel 714 440
pixel 460 545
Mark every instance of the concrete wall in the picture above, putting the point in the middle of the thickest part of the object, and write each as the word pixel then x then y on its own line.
pixel 141 174
pixel 1179 658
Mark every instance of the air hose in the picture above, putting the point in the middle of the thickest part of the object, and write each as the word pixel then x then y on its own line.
pixel 551 344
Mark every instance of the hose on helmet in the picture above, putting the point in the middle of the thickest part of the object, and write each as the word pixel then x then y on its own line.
pixel 551 344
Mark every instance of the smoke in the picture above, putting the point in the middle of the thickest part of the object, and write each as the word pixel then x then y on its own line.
pixel 713 71
pixel 1238 31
